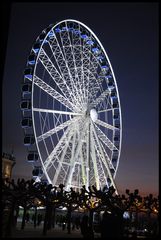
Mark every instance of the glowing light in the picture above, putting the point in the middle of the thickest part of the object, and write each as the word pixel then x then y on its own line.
pixel 93 115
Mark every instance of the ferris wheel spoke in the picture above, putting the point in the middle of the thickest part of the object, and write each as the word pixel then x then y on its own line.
pixel 100 158
pixel 61 160
pixel 87 62
pixel 108 160
pixel 107 110
pixel 57 150
pixel 103 158
pixel 102 168
pixel 50 67
pixel 84 170
pixel 110 164
pixel 82 75
pixel 56 111
pixel 55 130
pixel 88 153
pixel 106 104
pixel 105 139
pixel 79 54
pixel 107 157
pixel 72 163
pixel 85 70
pixel 43 120
pixel 92 83
pixel 52 92
pixel 54 73
pixel 63 67
pixel 67 53
pixel 66 43
pixel 96 77
pixel 93 156
pixel 93 62
pixel 105 125
pixel 60 146
pixel 101 98
pixel 75 156
pixel 69 46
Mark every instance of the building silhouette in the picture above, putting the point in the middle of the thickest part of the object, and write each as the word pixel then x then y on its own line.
pixel 8 161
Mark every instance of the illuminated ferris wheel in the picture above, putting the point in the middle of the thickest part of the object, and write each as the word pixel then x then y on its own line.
pixel 71 113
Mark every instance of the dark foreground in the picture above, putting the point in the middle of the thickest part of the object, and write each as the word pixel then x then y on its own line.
pixel 57 233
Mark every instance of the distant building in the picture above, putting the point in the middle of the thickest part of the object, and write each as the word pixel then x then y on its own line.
pixel 8 161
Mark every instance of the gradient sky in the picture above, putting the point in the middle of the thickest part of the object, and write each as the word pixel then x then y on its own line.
pixel 129 34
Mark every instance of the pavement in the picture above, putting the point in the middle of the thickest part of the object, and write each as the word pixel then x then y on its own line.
pixel 56 233
pixel 30 232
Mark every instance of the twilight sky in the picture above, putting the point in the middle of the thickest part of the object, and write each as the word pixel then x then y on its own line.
pixel 129 34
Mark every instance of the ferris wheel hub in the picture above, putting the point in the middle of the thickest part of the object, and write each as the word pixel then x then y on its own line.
pixel 93 114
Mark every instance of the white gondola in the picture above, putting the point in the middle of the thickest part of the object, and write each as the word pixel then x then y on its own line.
pixel 41 37
pixel 114 102
pixel 90 42
pixel 33 156
pixel 51 35
pixel 117 144
pixel 32 59
pixel 113 92
pixel 110 82
pixel 26 88
pixel 109 181
pixel 116 114
pixel 26 122
pixel 57 30
pixel 115 153
pixel 84 35
pixel 95 51
pixel 26 105
pixel 112 171
pixel 114 162
pixel 29 140
pixel 117 123
pixel 116 137
pixel 104 69
pixel 28 73
pixel 36 47
pixel 37 171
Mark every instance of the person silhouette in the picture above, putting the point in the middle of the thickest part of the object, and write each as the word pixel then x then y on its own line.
pixel 86 230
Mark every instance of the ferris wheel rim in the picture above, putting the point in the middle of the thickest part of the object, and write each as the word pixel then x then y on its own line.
pixel 93 34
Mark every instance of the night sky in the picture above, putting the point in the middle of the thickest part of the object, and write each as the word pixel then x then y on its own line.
pixel 129 34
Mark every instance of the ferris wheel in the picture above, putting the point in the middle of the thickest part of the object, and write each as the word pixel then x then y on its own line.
pixel 71 113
